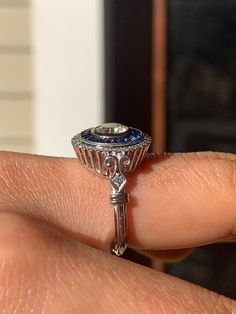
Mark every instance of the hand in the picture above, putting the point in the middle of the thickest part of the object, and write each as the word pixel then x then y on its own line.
pixel 53 211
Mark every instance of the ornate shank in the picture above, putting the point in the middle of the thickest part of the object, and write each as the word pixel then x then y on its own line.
pixel 119 198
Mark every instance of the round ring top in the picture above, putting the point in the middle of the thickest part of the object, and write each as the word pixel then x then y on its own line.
pixel 100 148
pixel 111 136
pixel 112 133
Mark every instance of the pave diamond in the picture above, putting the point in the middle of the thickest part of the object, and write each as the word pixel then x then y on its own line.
pixel 118 180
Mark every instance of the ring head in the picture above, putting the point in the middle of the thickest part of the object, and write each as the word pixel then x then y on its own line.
pixel 110 129
pixel 114 150
pixel 94 145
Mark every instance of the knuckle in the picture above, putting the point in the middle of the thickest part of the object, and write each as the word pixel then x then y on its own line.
pixel 231 170
pixel 222 305
pixel 211 302
pixel 223 179
pixel 224 166
pixel 216 170
pixel 8 171
pixel 16 175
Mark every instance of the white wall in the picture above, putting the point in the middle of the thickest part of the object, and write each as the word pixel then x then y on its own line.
pixel 15 77
pixel 68 68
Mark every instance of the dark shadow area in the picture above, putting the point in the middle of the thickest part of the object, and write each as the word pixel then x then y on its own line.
pixel 128 49
pixel 202 111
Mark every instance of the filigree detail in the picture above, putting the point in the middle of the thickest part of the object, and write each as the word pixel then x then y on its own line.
pixel 118 162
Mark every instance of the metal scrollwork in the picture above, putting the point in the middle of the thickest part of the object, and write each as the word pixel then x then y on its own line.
pixel 119 162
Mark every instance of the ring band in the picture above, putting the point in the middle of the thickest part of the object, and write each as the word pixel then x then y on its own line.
pixel 113 150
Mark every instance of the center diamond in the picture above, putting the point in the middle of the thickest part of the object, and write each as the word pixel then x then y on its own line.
pixel 111 129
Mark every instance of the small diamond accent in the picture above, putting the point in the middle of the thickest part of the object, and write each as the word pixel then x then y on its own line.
pixel 118 180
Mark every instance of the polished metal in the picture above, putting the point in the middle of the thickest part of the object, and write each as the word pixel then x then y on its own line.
pixel 114 159
pixel 119 198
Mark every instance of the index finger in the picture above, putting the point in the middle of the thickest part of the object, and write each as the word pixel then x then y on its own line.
pixel 181 201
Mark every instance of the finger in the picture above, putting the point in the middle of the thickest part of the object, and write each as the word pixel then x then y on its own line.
pixel 167 255
pixel 182 201
pixel 158 258
pixel 60 192
pixel 44 272
pixel 190 200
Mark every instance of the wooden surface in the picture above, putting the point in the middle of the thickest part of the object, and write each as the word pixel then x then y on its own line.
pixel 159 75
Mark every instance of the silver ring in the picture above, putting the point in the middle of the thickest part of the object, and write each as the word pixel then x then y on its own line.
pixel 113 150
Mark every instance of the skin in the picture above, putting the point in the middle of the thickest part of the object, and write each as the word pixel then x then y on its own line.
pixel 56 229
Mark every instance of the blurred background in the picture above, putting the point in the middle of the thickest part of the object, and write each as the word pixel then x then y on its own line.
pixel 167 67
pixel 51 73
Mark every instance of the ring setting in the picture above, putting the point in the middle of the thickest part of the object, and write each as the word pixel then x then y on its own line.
pixel 113 150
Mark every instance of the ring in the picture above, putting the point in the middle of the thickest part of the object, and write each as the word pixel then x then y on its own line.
pixel 113 150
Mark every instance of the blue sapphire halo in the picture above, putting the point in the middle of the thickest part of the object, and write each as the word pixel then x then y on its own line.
pixel 109 136
pixel 129 137
pixel 94 144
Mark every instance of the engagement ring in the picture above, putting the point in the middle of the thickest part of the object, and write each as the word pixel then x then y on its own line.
pixel 113 150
